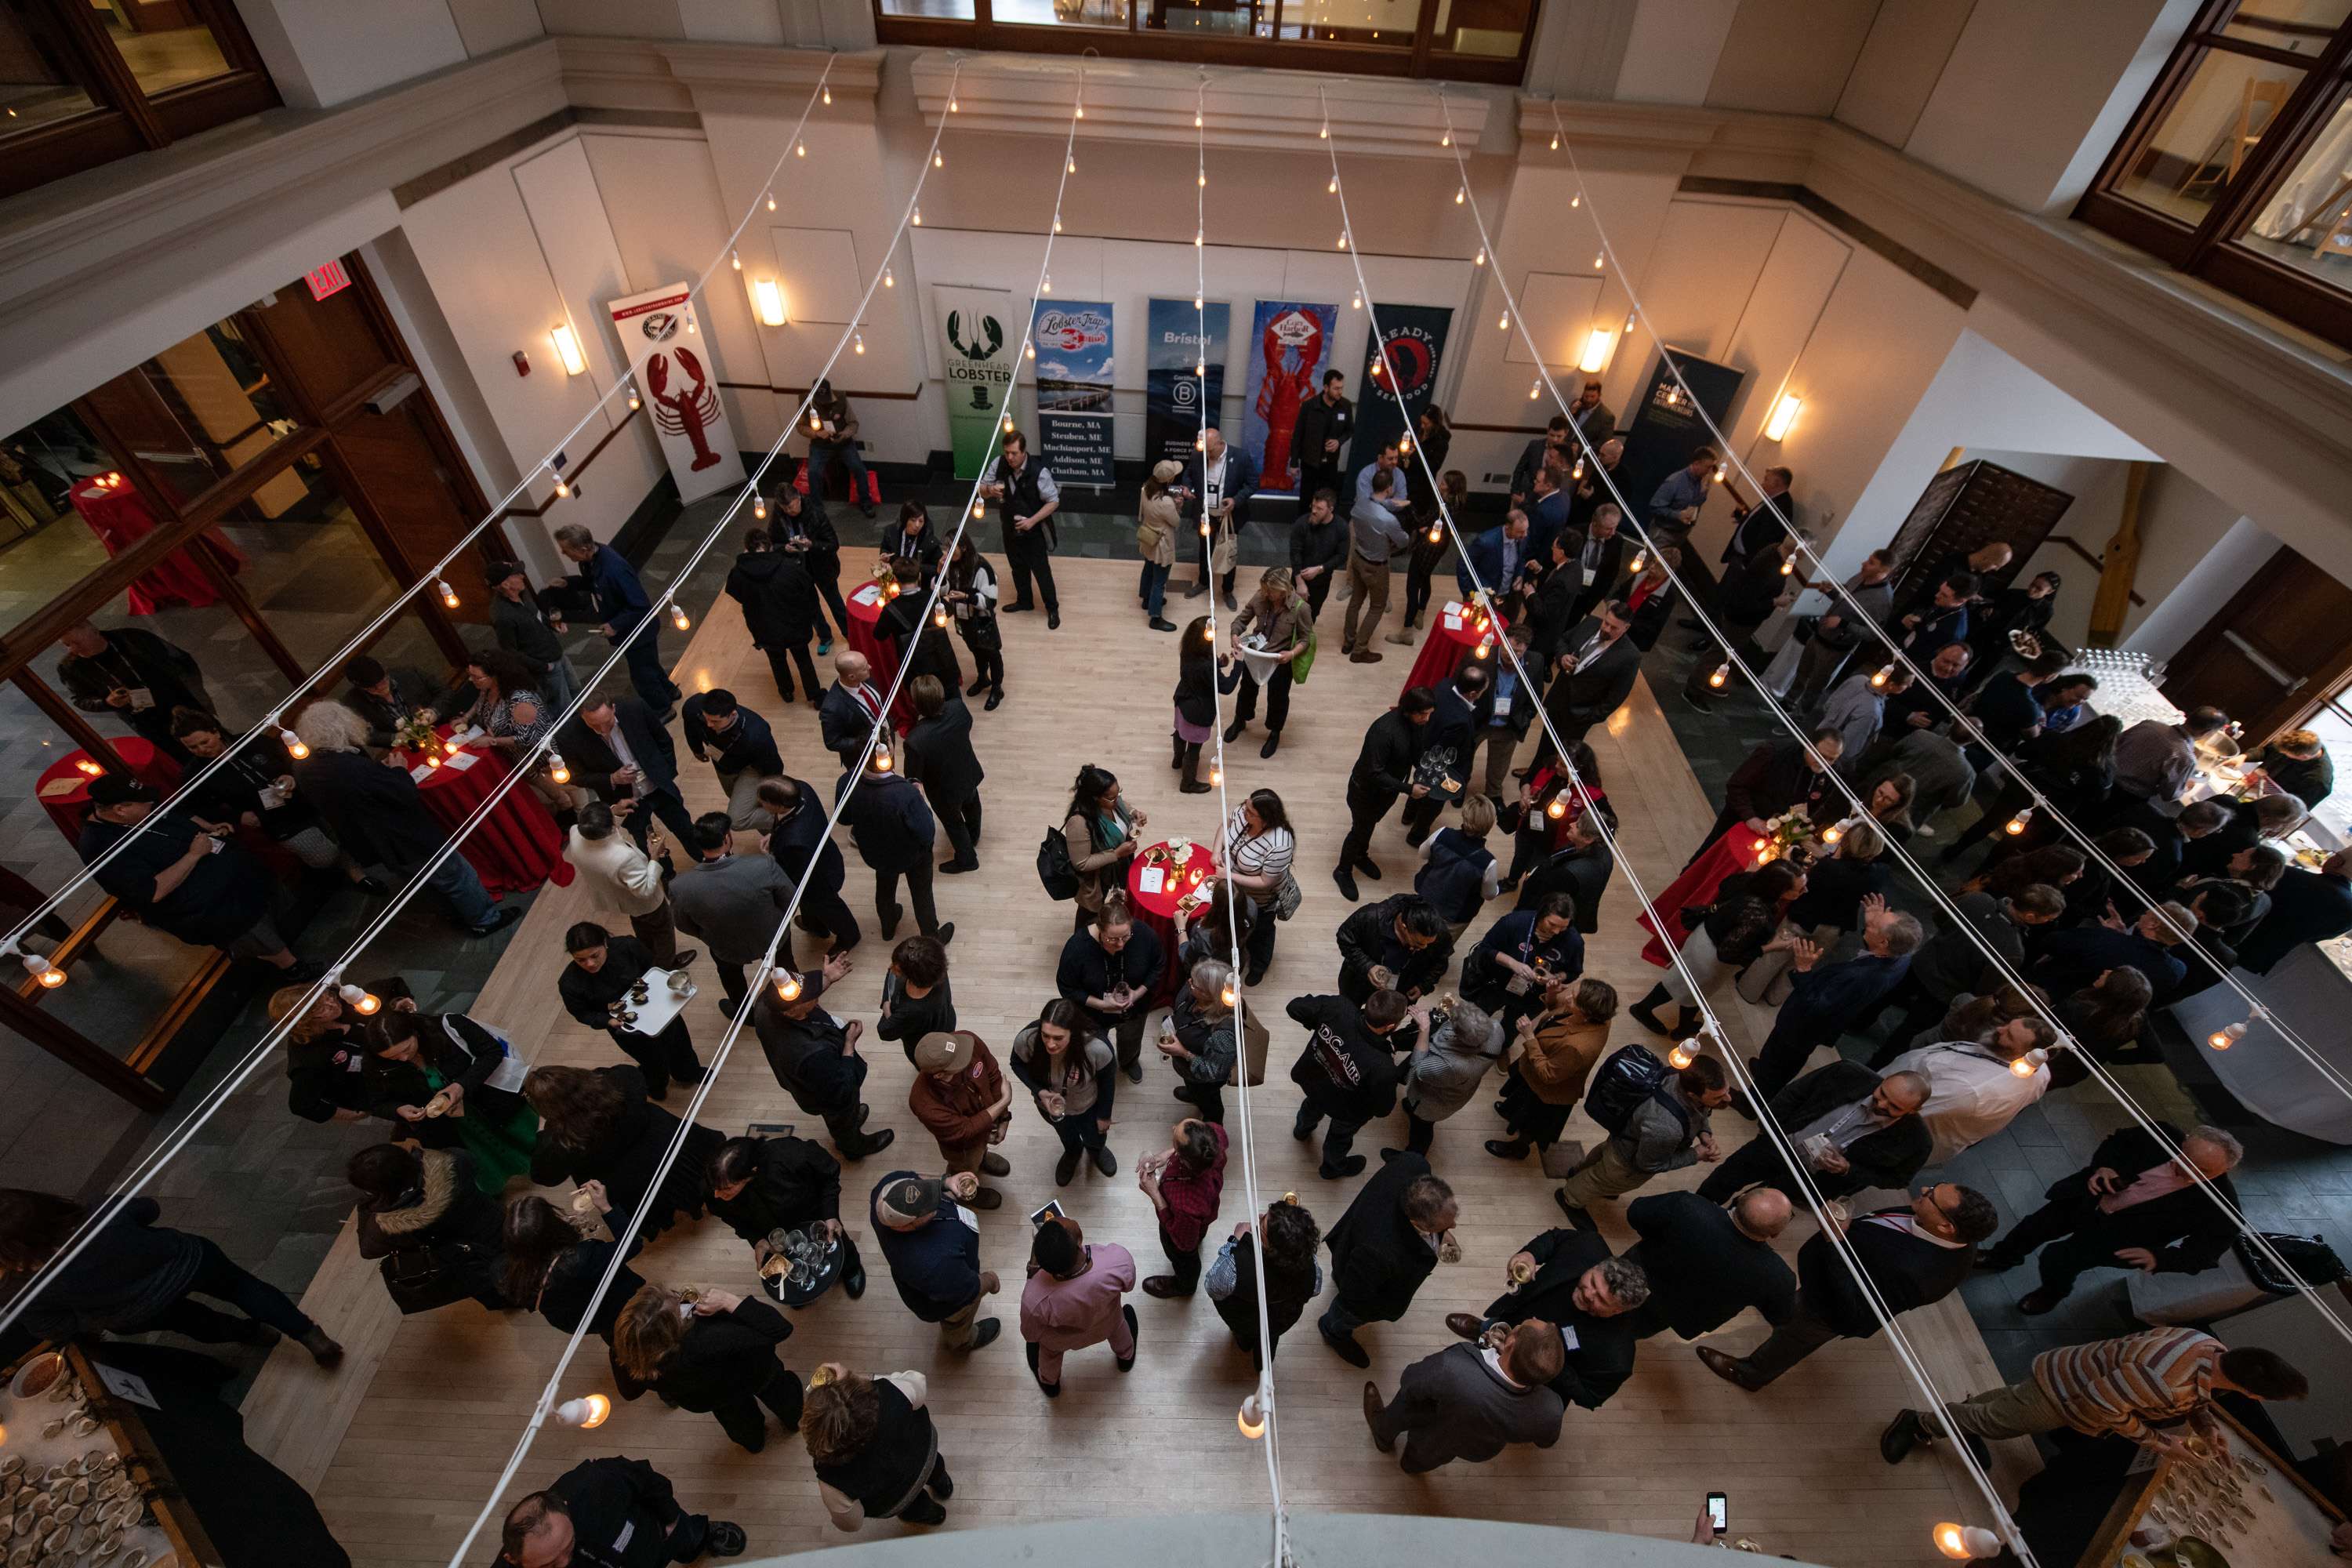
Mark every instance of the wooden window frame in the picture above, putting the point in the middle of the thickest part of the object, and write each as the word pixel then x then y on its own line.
pixel 125 118
pixel 2209 249
pixel 1419 59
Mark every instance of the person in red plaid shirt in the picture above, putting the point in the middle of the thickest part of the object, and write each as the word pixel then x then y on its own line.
pixel 1183 1182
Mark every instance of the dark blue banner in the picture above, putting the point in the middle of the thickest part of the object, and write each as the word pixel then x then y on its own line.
pixel 1415 336
pixel 1172 392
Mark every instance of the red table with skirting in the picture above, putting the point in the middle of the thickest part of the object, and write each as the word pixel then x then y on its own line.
pixel 1455 634
pixel 69 808
pixel 120 518
pixel 1731 854
pixel 513 850
pixel 1156 910
pixel 865 611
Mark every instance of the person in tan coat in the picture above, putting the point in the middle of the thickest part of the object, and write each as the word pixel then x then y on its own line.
pixel 960 1095
pixel 1561 1045
pixel 1100 830
pixel 1158 518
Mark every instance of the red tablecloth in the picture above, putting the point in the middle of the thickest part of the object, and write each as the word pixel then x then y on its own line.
pixel 1156 910
pixel 66 808
pixel 120 518
pixel 1732 853
pixel 1453 634
pixel 865 610
pixel 517 846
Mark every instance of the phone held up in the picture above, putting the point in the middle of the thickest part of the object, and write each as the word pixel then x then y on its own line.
pixel 1717 1516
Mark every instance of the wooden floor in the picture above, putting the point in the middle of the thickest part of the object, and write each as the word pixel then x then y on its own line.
pixel 402 1444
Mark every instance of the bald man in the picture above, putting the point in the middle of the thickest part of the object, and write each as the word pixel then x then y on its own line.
pixel 1708 1264
pixel 850 708
pixel 1852 1128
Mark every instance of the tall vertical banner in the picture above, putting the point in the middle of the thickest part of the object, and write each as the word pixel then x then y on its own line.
pixel 1293 342
pixel 669 356
pixel 1172 387
pixel 978 343
pixel 1416 337
pixel 1074 422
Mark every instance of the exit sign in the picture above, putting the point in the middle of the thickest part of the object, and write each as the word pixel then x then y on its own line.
pixel 329 279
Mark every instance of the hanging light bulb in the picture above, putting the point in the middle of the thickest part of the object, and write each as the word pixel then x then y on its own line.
pixel 1884 673
pixel 1070 166
pixel 1479 259
pixel 1203 179
pixel 1217 776
pixel 1535 389
pixel 562 487
pixel 737 258
pixel 1641 559
pixel 1343 240
pixel 1447 139
pixel 772 200
pixel 1057 222
pixel 1722 673
pixel 760 508
pixel 1196 299
pixel 1045 286
pixel 939 617
pixel 2030 1063
pixel 1404 446
pixel 1577 200
pixel 1358 303
pixel 938 159
pixel 1333 188
pixel 678 618
pixel 1199 367
pixel 360 999
pixel 799 150
pixel 2016 825
pixel 1032 352
pixel 1203 444
pixel 1461 194
pixel 1965 1542
pixel 979 507
pixel 955 106
pixel 1503 321
pixel 1008 425
pixel 1227 994
pixel 293 744
pixel 635 402
pixel 889 280
pixel 1199 237
pixel 1436 533
pixel 859 340
pixel 558 769
pixel 881 759
pixel 787 984
pixel 1082 108
pixel 1577 472
pixel 1555 141
pixel 2228 1035
pixel 1833 832
pixel 448 594
pixel 1325 133
pixel 828 97
pixel 49 974
pixel 1719 472
pixel 919 218
pixel 1789 566
pixel 1196 119
pixel 1631 317
pixel 1682 1055
pixel 1558 807
pixel 1253 1417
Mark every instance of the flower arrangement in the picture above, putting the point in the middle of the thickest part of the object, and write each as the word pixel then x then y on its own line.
pixel 887 581
pixel 416 734
pixel 1784 833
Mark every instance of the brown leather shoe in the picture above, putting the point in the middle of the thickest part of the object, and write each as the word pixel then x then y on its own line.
pixel 1466 1325
pixel 1374 1405
pixel 1163 1287
pixel 1364 656
pixel 1726 1368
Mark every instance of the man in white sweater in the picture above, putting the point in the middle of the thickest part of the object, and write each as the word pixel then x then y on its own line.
pixel 626 880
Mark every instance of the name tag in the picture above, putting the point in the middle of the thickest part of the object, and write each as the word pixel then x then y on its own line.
pixel 1567 1337
pixel 969 1217
pixel 1502 706
pixel 1589 574
pixel 140 699
pixel 628 1532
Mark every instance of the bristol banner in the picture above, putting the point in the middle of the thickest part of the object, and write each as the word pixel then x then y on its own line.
pixel 976 346
pixel 1415 336
pixel 1172 394
pixel 1074 422
pixel 1293 342
pixel 670 357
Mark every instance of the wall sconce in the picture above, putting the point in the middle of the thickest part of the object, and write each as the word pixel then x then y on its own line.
pixel 768 298
pixel 1784 415
pixel 567 349
pixel 1597 344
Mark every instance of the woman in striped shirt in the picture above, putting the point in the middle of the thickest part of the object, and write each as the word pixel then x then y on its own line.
pixel 1259 847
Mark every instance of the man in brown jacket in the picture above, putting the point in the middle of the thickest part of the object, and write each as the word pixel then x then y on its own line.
pixel 960 1095
pixel 1559 1045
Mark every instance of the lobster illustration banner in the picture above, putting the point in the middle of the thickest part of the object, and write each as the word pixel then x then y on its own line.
pixel 979 340
pixel 1074 422
pixel 671 359
pixel 1293 343
pixel 1416 337
pixel 1172 392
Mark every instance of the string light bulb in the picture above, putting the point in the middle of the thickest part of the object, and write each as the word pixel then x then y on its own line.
pixel 1032 351
pixel 1204 522
pixel 1641 559
pixel 1228 995
pixel 1253 1417
pixel 1832 833
pixel 557 769
pixel 1070 166
pixel 1577 200
pixel 1358 303
pixel 1008 425
pixel 635 402
pixel 800 149
pixel 1196 119
pixel 1203 179
pixel 562 487
pixel 1082 108
pixel 1965 1542
pixel 1600 264
pixel 1503 321
pixel 678 618
pixel 1436 533
pixel 889 279
pixel 1343 240
pixel 1333 188
pixel 1878 679
pixel 1057 222
pixel 1682 1055
pixel 1577 472
pixel 1479 259
pixel 1461 194
pixel 1325 133
pixel 1557 806
pixel 787 984
pixel 590 1411
pixel 919 218
pixel 2030 1063
pixel 1216 774
pixel 49 974
pixel 361 1000
pixel 293 744
pixel 882 759
pixel 1721 674
pixel 772 200
pixel 955 106
pixel 860 339
pixel 735 257
pixel 448 594
pixel 1789 566
pixel 759 507
pixel 939 617
pixel 1199 237
pixel 1447 139
pixel 938 159
pixel 1045 285
pixel 828 97
pixel 1555 141
pixel 2016 825
pixel 1535 389
pixel 2228 1035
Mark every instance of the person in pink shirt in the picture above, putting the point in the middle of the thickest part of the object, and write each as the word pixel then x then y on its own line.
pixel 1072 1300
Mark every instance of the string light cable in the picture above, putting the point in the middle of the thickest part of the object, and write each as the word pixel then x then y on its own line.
pixel 2257 1011
pixel 432 578
pixel 526 762
pixel 1711 1027
pixel 768 972
pixel 2063 1039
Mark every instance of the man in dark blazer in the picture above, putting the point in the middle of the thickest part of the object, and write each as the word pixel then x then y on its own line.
pixel 739 747
pixel 800 836
pixel 894 830
pixel 1876 1138
pixel 1459 1404
pixel 2131 1207
pixel 619 752
pixel 1346 1071
pixel 1382 1249
pixel 1218 484
pixel 1581 867
pixel 137 677
pixel 1384 772
pixel 605 592
pixel 733 902
pixel 1914 1257
pixel 1595 565
pixel 1706 1263
pixel 2305 907
pixel 1555 442
pixel 1463 705
pixel 815 1059
pixel 1593 1298
pixel 1325 424
pixel 940 757
pixel 1825 1000
pixel 1495 558
pixel 1593 676
pixel 851 703
pixel 2064 961
pixel 1775 776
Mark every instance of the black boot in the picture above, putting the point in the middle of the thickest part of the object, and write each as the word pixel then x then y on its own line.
pixel 1176 757
pixel 1233 731
pixel 1644 1012
pixel 1193 785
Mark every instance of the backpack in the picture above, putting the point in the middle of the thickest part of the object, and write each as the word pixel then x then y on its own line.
pixel 1632 1075
pixel 1455 879
pixel 1054 867
pixel 421 1278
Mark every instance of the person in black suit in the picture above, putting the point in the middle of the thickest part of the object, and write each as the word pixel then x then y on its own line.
pixel 1706 1263
pixel 1579 867
pixel 1915 1257
pixel 1777 775
pixel 1463 705
pixel 1592 677
pixel 1384 771
pixel 1219 481
pixel 1653 596
pixel 619 752
pixel 760 1185
pixel 940 758
pixel 2307 905
pixel 800 835
pixel 1598 563
pixel 739 747
pixel 1325 424
pixel 1875 1136
pixel 852 705
pixel 803 532
pixel 909 621
pixel 717 1354
pixel 894 830
pixel 137 677
pixel 1382 1249
pixel 2131 1207
pixel 1567 1278
pixel 780 610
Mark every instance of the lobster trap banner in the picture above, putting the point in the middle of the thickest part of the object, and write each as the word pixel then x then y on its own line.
pixel 670 357
pixel 1416 337
pixel 1293 341
pixel 977 348
pixel 1073 421
pixel 1172 392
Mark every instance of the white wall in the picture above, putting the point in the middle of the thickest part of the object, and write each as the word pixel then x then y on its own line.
pixel 1896 72
pixel 1790 57
pixel 2225 567
pixel 1672 50
pixel 325 52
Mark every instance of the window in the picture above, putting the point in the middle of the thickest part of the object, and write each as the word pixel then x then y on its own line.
pixel 83 82
pixel 1460 40
pixel 2238 167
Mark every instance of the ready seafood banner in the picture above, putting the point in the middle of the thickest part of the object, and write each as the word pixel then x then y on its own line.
pixel 672 362
pixel 1073 419
pixel 1293 343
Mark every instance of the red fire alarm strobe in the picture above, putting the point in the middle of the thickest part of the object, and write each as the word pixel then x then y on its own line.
pixel 522 362
pixel 329 279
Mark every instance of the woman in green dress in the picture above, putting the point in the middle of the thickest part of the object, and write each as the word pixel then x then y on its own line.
pixel 476 1081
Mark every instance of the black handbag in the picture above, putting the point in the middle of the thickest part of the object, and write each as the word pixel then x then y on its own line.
pixel 2312 1259
pixel 1054 867
pixel 420 1278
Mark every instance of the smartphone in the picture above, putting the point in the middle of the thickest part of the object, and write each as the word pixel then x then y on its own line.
pixel 1051 1211
pixel 1717 1518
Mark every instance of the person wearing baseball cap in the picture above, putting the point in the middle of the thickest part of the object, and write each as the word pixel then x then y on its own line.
pixel 960 1095
pixel 931 1243
pixel 528 630
pixel 205 891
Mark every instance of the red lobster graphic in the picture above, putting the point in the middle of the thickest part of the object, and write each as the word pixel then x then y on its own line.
pixel 685 413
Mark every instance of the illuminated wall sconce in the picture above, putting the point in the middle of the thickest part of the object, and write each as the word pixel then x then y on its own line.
pixel 1597 344
pixel 768 298
pixel 567 349
pixel 1784 416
